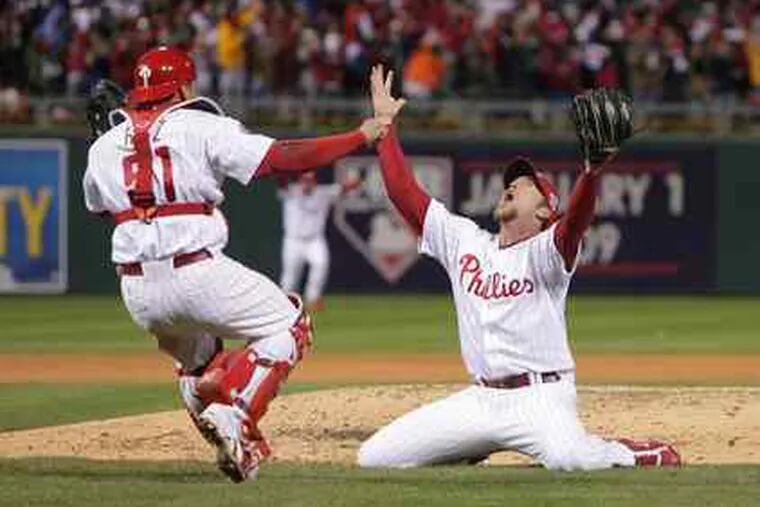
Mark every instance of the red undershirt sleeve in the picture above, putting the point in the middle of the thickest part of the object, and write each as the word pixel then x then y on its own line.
pixel 580 212
pixel 404 191
pixel 298 155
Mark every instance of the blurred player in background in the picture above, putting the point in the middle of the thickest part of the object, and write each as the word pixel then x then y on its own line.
pixel 306 206
pixel 157 170
pixel 509 293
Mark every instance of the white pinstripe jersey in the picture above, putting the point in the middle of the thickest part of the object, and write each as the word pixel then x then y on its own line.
pixel 510 302
pixel 305 214
pixel 194 149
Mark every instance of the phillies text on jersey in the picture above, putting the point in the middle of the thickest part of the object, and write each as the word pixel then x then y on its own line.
pixel 510 301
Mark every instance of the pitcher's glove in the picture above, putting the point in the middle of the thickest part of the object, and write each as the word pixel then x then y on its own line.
pixel 105 97
pixel 603 119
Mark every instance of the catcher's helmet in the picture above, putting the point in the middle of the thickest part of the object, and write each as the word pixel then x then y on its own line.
pixel 522 166
pixel 159 73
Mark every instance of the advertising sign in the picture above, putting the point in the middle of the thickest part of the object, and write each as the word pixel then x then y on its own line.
pixel 33 202
pixel 654 226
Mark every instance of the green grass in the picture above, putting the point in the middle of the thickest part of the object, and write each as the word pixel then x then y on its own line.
pixel 357 323
pixel 68 323
pixel 68 482
pixel 34 405
pixel 409 323
pixel 665 324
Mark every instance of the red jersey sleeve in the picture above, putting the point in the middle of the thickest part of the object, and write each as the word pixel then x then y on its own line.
pixel 580 212
pixel 298 155
pixel 404 191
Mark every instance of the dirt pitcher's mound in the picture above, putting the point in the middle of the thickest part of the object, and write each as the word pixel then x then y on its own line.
pixel 710 425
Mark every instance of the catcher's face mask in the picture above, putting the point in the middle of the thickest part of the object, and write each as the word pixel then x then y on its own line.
pixel 522 167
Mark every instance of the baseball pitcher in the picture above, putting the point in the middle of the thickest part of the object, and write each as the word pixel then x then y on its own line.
pixel 305 209
pixel 157 170
pixel 509 292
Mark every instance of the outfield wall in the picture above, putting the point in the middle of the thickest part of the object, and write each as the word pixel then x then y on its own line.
pixel 674 215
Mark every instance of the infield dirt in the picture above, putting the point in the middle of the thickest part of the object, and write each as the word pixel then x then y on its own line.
pixel 709 425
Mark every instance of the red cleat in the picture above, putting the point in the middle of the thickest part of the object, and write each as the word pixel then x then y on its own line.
pixel 653 453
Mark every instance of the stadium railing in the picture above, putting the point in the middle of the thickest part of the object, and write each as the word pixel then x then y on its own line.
pixel 467 117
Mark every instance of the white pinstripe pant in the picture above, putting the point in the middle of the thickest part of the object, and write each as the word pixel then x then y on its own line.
pixel 188 307
pixel 540 421
pixel 297 253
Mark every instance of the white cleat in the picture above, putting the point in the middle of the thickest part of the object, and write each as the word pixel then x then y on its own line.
pixel 237 456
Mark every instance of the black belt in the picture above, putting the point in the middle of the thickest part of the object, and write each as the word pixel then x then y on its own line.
pixel 521 380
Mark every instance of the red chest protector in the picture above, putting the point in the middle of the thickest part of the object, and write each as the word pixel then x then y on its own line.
pixel 140 191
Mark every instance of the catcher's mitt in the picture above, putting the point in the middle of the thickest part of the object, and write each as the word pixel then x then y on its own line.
pixel 105 97
pixel 603 119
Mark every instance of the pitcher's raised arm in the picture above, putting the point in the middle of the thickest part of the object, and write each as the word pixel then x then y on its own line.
pixel 404 191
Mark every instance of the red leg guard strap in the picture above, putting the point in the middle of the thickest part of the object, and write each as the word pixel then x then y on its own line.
pixel 226 376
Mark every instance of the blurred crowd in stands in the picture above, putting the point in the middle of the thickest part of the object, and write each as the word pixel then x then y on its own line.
pixel 660 50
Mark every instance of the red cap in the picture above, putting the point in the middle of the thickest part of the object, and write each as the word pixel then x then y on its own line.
pixel 159 74
pixel 522 166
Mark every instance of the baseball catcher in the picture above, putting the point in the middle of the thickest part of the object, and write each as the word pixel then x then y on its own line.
pixel 157 167
pixel 509 292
